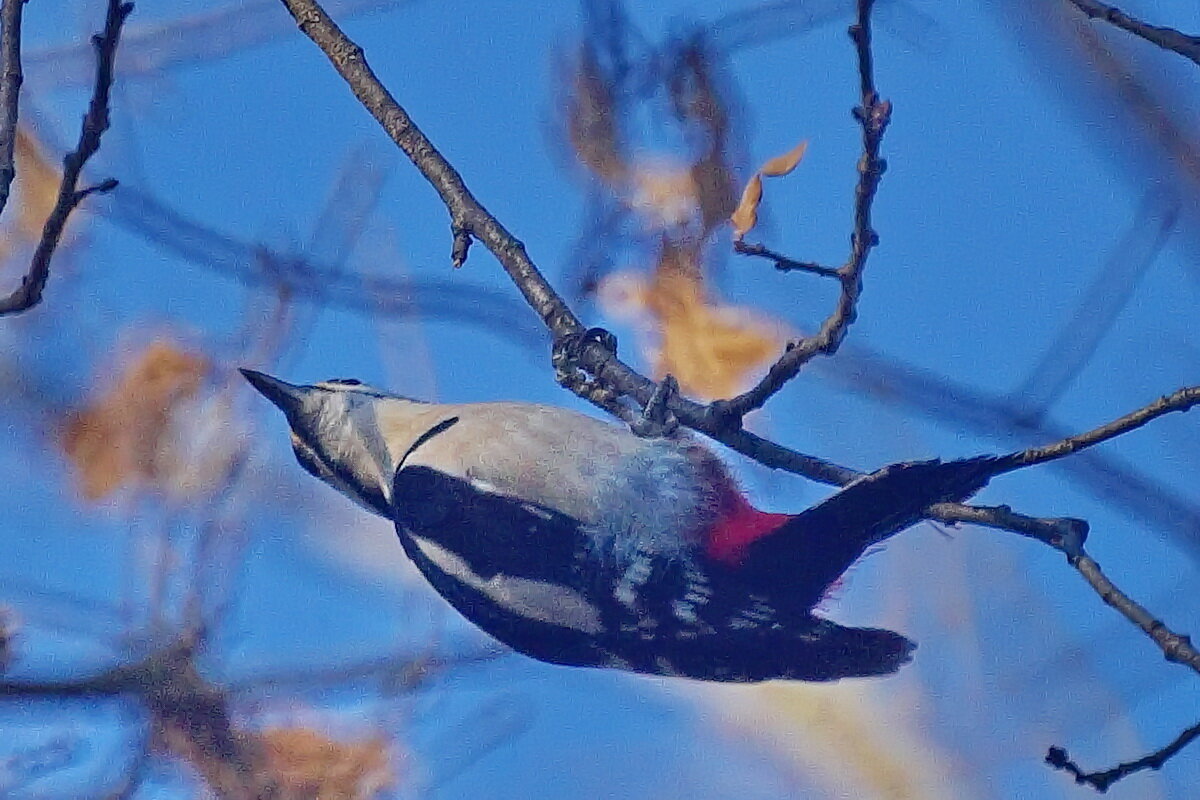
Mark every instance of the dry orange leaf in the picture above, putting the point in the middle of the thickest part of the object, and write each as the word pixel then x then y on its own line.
pixel 35 191
pixel 122 436
pixel 38 179
pixel 311 765
pixel 665 195
pixel 782 165
pixel 745 216
pixel 713 350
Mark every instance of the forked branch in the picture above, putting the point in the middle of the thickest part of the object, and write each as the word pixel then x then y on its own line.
pixel 95 123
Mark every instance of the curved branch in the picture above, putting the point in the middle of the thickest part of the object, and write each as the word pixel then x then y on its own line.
pixel 95 123
pixel 11 79
pixel 1181 400
pixel 1101 781
pixel 1166 38
pixel 873 115
pixel 468 218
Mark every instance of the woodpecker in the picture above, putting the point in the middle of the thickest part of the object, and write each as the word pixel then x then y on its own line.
pixel 576 542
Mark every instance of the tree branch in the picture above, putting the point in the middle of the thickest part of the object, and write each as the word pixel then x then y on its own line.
pixel 1177 647
pixel 873 115
pixel 11 79
pixel 95 123
pixel 1180 400
pixel 782 262
pixel 1166 38
pixel 1058 758
pixel 468 218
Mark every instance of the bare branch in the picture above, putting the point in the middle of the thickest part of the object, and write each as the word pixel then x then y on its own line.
pixel 873 115
pixel 782 262
pixel 1181 400
pixel 1068 535
pixel 1166 38
pixel 468 218
pixel 958 406
pixel 1176 647
pixel 1065 534
pixel 11 79
pixel 95 123
pixel 1101 781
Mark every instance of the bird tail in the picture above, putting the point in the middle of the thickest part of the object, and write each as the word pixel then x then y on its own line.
pixel 830 651
pixel 810 551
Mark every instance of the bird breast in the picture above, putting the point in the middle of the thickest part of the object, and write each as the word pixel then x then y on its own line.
pixel 630 493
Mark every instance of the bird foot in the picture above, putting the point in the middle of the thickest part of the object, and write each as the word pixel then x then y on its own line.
pixel 656 419
pixel 566 355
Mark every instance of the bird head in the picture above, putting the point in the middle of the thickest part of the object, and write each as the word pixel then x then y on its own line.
pixel 335 434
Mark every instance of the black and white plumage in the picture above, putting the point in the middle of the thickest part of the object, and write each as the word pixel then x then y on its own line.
pixel 575 542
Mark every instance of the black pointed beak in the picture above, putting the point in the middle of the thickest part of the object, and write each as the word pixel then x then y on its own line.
pixel 286 396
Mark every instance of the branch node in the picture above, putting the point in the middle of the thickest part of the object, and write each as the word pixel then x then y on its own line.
pixel 1071 534
pixel 461 245
pixel 724 417
pixel 103 187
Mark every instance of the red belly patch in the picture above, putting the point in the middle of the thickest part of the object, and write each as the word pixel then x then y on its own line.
pixel 739 526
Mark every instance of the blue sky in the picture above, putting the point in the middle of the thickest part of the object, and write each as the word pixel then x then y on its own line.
pixel 1013 181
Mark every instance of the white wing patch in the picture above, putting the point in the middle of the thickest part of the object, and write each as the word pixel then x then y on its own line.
pixel 545 602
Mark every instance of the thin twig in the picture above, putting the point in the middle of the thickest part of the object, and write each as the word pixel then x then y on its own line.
pixel 1068 536
pixel 782 262
pixel 1065 534
pixel 1101 781
pixel 1181 400
pixel 468 218
pixel 873 115
pixel 11 79
pixel 1166 38
pixel 1176 647
pixel 95 123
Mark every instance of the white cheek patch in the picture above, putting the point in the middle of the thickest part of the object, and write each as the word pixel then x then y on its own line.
pixel 538 600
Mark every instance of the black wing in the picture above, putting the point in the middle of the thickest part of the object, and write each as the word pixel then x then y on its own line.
pixel 803 557
pixel 527 575
pixel 511 568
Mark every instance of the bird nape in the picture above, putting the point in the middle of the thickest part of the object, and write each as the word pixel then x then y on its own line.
pixel 576 542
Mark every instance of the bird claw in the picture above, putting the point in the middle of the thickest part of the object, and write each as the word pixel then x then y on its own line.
pixel 656 419
pixel 566 355
pixel 569 348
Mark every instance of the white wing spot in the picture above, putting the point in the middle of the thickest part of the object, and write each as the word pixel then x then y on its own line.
pixel 684 611
pixel 484 486
pixel 536 511
pixel 539 600
pixel 634 577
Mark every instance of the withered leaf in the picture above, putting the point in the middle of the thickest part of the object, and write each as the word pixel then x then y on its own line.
pixel 782 165
pixel 745 216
